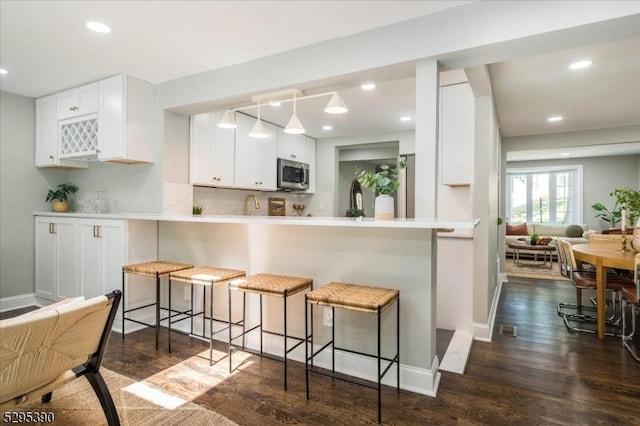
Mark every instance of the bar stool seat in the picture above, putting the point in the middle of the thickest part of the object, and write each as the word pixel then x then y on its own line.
pixel 359 298
pixel 282 286
pixel 156 269
pixel 205 276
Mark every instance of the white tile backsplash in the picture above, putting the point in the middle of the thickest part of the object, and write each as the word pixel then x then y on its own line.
pixel 219 201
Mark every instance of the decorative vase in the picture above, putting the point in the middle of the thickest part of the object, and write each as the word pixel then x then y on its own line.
pixel 384 208
pixel 60 206
pixel 635 240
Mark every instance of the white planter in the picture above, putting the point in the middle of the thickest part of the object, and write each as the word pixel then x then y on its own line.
pixel 384 207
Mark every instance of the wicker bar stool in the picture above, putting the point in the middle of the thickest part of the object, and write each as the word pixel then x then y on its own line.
pixel 207 277
pixel 156 269
pixel 360 298
pixel 281 286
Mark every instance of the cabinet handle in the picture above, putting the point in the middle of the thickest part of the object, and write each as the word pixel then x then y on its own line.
pixel 51 157
pixel 293 156
pixel 96 231
pixel 97 151
pixel 73 108
pixel 52 228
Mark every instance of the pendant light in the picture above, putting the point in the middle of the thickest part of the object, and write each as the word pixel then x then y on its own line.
pixel 336 105
pixel 259 131
pixel 294 127
pixel 228 120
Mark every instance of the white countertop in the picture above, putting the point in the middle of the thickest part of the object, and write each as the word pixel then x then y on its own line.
pixel 418 223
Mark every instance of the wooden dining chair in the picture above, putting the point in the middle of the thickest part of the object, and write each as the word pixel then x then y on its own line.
pixel 586 279
pixel 581 280
pixel 631 297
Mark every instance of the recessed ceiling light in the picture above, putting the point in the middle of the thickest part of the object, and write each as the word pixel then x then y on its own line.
pixel 580 64
pixel 555 118
pixel 98 27
pixel 3 71
pixel 368 86
pixel 327 127
pixel 405 118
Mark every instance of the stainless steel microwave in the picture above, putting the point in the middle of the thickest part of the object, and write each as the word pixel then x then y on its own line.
pixel 292 175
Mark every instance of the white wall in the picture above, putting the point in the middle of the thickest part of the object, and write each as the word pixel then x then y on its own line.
pixel 23 189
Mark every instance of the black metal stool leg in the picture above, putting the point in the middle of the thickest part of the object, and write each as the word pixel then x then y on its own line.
pixel 398 343
pixel 260 324
pixel 210 322
pixel 124 305
pixel 169 324
pixel 157 309
pixel 230 322
pixel 306 344
pixel 333 340
pixel 285 341
pixel 379 372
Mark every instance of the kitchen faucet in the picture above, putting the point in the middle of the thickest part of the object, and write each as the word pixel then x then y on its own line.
pixel 255 202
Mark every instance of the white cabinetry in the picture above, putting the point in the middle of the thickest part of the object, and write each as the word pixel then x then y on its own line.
pixel 125 119
pixel 255 159
pixel 47 135
pixel 110 120
pixel 102 255
pixel 78 101
pixel 292 147
pixel 311 160
pixel 456 134
pixel 211 152
pixel 56 258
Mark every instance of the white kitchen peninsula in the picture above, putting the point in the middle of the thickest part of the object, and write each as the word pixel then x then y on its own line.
pixel 395 254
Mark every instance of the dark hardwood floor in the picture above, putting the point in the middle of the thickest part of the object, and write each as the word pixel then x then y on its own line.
pixel 544 376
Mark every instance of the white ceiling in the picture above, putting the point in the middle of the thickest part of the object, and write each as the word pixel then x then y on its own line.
pixel 46 48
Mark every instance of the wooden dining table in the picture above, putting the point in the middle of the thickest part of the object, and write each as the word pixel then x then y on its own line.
pixel 603 256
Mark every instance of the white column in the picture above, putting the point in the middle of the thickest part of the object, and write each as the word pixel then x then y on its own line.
pixel 426 180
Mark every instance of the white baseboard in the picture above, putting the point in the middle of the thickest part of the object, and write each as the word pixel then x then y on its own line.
pixel 484 332
pixel 17 302
pixel 458 351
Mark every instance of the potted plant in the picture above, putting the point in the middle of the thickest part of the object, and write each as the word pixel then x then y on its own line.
pixel 196 209
pixel 383 182
pixel 612 217
pixel 60 195
pixel 534 239
pixel 630 200
pixel 355 212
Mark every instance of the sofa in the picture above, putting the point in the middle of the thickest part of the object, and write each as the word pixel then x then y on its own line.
pixel 523 231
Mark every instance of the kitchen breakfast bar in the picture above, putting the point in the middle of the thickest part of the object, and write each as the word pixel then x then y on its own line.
pixel 397 254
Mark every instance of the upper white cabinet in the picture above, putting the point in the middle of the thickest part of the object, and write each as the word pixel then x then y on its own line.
pixel 456 134
pixel 47 135
pixel 211 152
pixel 311 160
pixel 110 120
pixel 125 119
pixel 78 101
pixel 255 159
pixel 292 147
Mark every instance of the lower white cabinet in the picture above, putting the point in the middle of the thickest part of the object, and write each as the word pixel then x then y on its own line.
pixel 56 257
pixel 102 246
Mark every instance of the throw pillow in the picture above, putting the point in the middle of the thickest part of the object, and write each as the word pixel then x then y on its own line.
pixel 574 231
pixel 519 229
